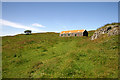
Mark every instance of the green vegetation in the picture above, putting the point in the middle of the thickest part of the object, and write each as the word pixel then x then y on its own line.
pixel 47 55
pixel 27 32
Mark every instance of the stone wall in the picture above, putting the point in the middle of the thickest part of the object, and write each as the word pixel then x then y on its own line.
pixel 72 34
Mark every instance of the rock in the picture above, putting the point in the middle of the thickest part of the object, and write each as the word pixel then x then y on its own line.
pixel 114 31
pixel 111 29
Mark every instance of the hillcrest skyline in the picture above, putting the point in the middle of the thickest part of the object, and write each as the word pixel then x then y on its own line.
pixel 56 16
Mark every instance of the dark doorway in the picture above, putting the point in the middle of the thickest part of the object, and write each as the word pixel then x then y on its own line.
pixel 85 33
pixel 75 34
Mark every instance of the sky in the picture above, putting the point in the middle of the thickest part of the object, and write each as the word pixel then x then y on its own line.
pixel 56 16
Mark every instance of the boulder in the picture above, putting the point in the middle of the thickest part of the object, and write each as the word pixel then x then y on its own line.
pixel 111 29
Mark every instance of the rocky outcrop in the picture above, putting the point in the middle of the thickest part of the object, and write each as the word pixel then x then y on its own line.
pixel 111 29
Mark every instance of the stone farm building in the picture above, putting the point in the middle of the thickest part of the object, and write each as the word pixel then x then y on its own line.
pixel 74 33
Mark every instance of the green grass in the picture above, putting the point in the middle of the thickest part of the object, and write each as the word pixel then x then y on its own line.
pixel 47 55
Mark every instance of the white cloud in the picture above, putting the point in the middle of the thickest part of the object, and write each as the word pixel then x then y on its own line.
pixel 38 25
pixel 16 25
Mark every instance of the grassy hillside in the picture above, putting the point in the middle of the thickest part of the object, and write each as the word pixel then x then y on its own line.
pixel 46 55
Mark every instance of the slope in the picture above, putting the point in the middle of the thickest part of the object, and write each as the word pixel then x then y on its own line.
pixel 46 55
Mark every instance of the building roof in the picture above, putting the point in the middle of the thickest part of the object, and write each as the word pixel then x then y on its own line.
pixel 73 31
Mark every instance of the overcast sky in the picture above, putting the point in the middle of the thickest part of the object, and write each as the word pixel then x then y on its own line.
pixel 56 16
